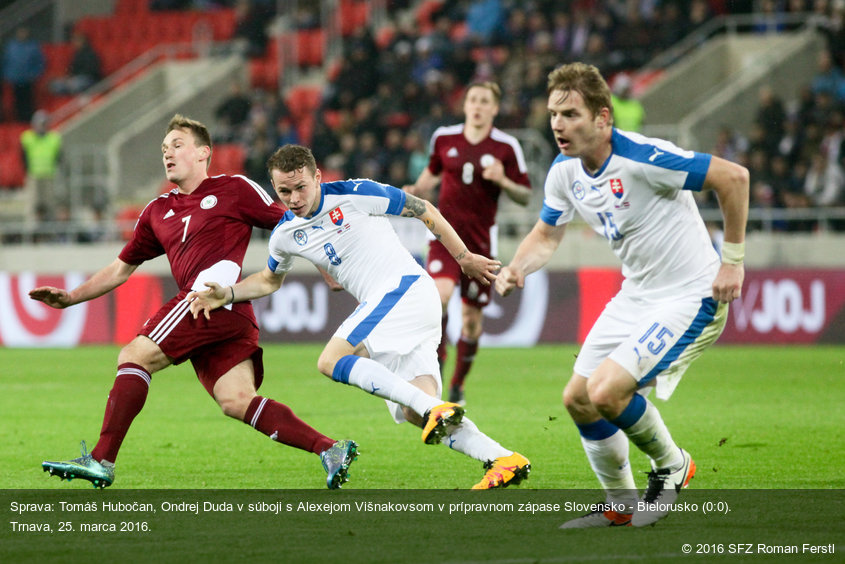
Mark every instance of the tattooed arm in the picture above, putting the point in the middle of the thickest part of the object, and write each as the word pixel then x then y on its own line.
pixel 476 266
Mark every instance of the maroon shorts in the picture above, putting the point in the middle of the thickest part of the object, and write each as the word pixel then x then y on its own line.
pixel 441 264
pixel 214 345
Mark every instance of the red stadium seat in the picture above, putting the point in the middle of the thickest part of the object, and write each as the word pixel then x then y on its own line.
pixel 331 175
pixel 264 73
pixel 303 100
pixel 12 171
pixel 10 136
pixel 353 14
pixel 223 22
pixel 127 217
pixel 227 158
pixel 310 47
pixel 305 128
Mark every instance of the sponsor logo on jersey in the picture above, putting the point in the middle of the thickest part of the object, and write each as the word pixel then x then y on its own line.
pixel 655 154
pixel 336 215
pixel 208 202
pixel 578 190
pixel 300 237
pixel 453 152
pixel 169 214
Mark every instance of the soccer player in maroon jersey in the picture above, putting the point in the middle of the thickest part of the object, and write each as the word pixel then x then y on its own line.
pixel 474 162
pixel 203 226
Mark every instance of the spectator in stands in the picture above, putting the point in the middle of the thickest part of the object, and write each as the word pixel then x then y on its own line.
pixel 628 112
pixel 417 154
pixel 729 144
pixel 41 149
pixel 232 113
pixel 771 116
pixel 84 69
pixel 829 78
pixel 249 28
pixel 23 65
pixel 485 19
pixel 825 181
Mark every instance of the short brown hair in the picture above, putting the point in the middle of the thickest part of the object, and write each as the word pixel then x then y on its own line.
pixel 489 85
pixel 584 79
pixel 291 157
pixel 197 129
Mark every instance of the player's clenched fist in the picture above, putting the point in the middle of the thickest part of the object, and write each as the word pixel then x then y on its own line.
pixel 508 279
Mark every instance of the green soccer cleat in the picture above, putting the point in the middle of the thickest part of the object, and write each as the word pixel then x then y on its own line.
pixel 336 460
pixel 84 467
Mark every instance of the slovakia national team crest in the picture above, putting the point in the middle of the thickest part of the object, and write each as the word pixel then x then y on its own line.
pixel 336 215
pixel 300 237
pixel 618 191
pixel 578 190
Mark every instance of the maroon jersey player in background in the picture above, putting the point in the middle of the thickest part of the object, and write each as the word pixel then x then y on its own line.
pixel 204 227
pixel 473 162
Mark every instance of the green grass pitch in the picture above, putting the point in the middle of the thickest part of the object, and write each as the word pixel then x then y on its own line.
pixel 754 418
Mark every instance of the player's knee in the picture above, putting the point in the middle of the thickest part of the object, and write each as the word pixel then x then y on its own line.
pixel 234 404
pixel 603 398
pixel 575 400
pixel 326 364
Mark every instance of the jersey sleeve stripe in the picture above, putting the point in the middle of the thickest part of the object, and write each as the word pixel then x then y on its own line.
pixel 694 164
pixel 397 201
pixel 550 215
pixel 509 139
pixel 257 187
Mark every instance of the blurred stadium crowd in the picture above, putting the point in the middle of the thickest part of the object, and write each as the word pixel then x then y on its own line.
pixel 374 111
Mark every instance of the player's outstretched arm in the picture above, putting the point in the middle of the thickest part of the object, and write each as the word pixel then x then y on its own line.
pixel 532 254
pixel 476 266
pixel 730 181
pixel 104 281
pixel 424 186
pixel 255 286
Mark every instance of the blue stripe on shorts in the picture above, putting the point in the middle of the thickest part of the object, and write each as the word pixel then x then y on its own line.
pixel 706 314
pixel 363 329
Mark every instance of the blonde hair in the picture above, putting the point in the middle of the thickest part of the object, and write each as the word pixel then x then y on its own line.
pixel 489 85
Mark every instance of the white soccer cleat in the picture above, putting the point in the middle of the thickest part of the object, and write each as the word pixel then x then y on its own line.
pixel 664 485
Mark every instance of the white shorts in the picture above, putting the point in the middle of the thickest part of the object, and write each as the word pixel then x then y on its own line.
pixel 400 330
pixel 654 341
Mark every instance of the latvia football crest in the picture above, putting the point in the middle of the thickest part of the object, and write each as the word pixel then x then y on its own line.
pixel 336 215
